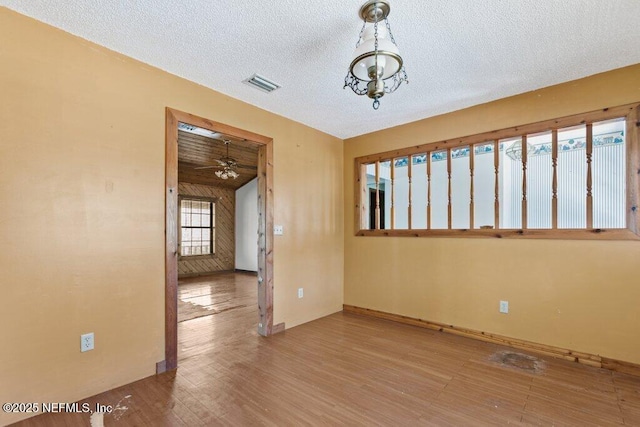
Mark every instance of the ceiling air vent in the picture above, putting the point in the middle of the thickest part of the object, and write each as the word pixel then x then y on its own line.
pixel 261 83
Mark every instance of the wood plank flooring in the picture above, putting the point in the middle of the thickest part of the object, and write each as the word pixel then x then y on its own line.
pixel 345 369
pixel 209 295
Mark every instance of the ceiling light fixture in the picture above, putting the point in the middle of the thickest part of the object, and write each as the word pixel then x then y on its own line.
pixel 228 165
pixel 515 150
pixel 377 66
pixel 226 173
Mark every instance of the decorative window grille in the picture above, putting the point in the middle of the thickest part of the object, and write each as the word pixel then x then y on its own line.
pixel 573 177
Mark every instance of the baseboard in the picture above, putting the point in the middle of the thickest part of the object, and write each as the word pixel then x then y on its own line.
pixel 161 367
pixel 276 329
pixel 204 273
pixel 546 350
pixel 621 366
pixel 238 270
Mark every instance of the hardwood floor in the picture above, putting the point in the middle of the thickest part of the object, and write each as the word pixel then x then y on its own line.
pixel 230 299
pixel 345 369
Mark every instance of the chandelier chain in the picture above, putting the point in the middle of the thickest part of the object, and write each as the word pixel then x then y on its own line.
pixel 389 31
pixel 375 31
pixel 361 33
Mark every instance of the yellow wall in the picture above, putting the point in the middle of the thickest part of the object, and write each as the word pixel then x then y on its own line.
pixel 82 218
pixel 581 295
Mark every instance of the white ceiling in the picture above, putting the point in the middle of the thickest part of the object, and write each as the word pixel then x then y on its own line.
pixel 457 53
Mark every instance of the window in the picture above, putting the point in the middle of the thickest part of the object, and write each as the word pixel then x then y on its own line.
pixel 572 177
pixel 197 227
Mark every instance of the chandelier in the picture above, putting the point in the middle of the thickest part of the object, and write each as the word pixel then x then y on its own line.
pixel 377 66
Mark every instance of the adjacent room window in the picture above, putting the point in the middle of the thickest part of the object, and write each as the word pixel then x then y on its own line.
pixel 560 178
pixel 197 227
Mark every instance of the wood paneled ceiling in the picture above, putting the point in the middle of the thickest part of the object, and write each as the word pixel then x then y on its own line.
pixel 196 151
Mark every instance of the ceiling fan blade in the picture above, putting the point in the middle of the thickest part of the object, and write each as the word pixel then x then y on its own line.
pixel 247 167
pixel 206 167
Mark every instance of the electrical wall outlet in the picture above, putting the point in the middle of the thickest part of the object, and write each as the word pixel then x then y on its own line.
pixel 504 307
pixel 300 292
pixel 278 230
pixel 86 342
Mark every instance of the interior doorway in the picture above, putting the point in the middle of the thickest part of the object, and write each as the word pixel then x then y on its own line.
pixel 265 227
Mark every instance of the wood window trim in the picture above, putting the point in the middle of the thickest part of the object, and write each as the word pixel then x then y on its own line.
pixel 630 112
pixel 212 255
pixel 195 257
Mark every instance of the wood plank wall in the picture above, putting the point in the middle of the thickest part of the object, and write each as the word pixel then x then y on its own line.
pixel 225 252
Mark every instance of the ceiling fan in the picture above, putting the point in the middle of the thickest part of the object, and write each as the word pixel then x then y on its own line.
pixel 227 166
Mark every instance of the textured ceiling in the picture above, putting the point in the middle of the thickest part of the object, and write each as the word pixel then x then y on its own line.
pixel 457 53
